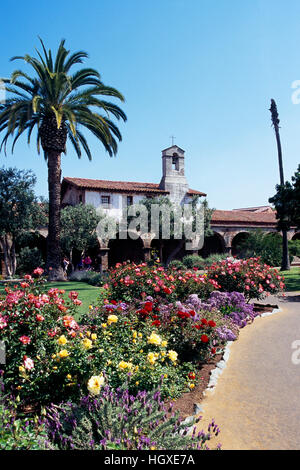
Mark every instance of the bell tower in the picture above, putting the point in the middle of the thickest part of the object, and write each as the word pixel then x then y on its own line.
pixel 173 178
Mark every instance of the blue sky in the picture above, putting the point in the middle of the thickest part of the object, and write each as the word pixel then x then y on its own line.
pixel 202 71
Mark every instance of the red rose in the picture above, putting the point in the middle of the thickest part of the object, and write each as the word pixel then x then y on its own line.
pixel 213 350
pixel 25 339
pixel 192 375
pixel 212 323
pixel 204 339
pixel 204 321
pixel 156 323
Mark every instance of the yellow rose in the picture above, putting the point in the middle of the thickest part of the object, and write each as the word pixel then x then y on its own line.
pixel 125 365
pixel 154 339
pixel 63 353
pixel 104 325
pixel 134 334
pixel 112 319
pixel 87 343
pixel 69 376
pixel 62 340
pixel 94 384
pixel 151 358
pixel 192 386
pixel 93 336
pixel 164 344
pixel 172 355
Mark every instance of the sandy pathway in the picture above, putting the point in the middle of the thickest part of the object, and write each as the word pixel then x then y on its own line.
pixel 256 402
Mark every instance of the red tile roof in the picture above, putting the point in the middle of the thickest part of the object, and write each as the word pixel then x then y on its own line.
pixel 126 186
pixel 244 217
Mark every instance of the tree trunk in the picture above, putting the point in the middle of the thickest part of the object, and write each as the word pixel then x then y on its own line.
pixel 6 255
pixel 285 265
pixel 54 265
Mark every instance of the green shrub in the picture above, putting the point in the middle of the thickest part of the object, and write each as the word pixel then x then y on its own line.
pixel 193 261
pixel 115 420
pixel 19 433
pixel 215 258
pixel 177 264
pixel 29 259
pixel 294 248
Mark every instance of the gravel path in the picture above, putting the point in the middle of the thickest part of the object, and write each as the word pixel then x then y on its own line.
pixel 256 402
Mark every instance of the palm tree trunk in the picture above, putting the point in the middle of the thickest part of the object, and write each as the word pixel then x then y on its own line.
pixel 53 265
pixel 285 264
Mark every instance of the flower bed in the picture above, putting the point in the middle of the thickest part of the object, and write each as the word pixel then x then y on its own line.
pixel 138 341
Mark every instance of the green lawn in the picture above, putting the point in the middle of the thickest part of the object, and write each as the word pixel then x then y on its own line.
pixel 86 293
pixel 292 279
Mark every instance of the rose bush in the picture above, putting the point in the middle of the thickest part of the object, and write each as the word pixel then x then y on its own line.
pixel 50 357
pixel 255 279
pixel 128 281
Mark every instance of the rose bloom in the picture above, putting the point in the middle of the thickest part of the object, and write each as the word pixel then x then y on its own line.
pixel 112 319
pixel 77 302
pixel 25 339
pixel 87 343
pixel 63 353
pixel 172 355
pixel 125 365
pixel 38 271
pixel 39 317
pixel 28 363
pixel 154 339
pixel 62 340
pixel 94 384
pixel 204 339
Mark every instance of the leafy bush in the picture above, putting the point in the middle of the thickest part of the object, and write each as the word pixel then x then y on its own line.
pixel 214 258
pixel 129 281
pixel 91 277
pixel 193 261
pixel 267 246
pixel 51 357
pixel 176 264
pixel 18 433
pixel 28 260
pixel 231 305
pixel 294 248
pixel 117 420
pixel 255 279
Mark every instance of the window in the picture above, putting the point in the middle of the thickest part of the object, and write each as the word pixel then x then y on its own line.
pixel 105 201
pixel 175 162
pixel 129 200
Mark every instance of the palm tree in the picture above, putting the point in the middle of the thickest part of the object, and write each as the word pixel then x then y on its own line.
pixel 59 103
pixel 285 265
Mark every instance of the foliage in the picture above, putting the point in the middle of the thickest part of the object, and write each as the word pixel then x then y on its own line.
pixel 177 264
pixel 54 91
pixel 19 433
pixel 268 246
pixel 287 202
pixel 19 211
pixel 51 357
pixel 116 420
pixel 130 281
pixel 29 259
pixel 193 261
pixel 78 228
pixel 255 279
pixel 294 248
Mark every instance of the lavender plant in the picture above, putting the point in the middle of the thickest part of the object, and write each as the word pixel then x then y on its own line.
pixel 117 420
